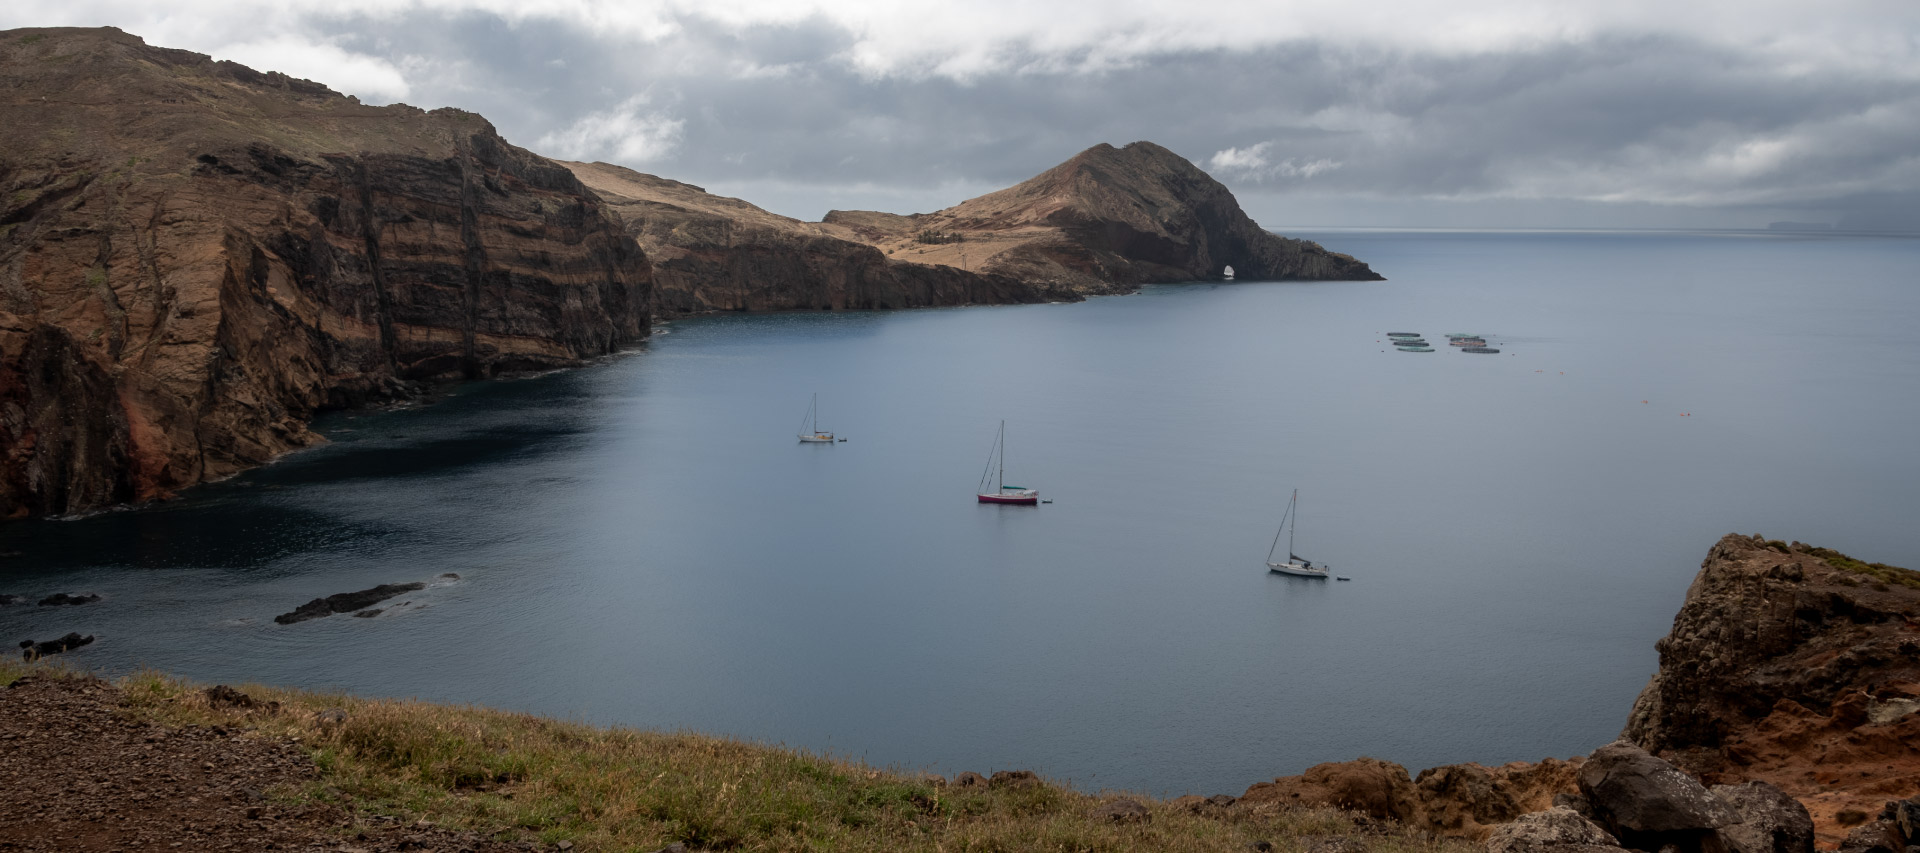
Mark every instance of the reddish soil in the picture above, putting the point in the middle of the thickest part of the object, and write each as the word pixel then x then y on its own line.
pixel 86 776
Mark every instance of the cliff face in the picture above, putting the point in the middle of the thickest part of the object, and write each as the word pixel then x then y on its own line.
pixel 1110 219
pixel 196 257
pixel 1796 666
pixel 712 253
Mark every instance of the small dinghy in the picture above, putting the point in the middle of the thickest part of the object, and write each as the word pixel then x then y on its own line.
pixel 1414 349
pixel 1483 350
pixel 1403 334
pixel 1466 342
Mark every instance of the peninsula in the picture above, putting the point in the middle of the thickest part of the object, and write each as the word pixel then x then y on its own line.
pixel 196 258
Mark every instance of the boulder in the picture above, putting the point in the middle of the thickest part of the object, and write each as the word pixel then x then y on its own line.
pixel 1556 830
pixel 222 696
pixel 1905 815
pixel 1380 789
pixel 1468 800
pixel 1878 836
pixel 1647 803
pixel 1123 810
pixel 1770 821
pixel 1013 779
pixel 969 779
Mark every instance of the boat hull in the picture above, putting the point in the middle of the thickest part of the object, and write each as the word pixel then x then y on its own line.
pixel 819 438
pixel 1010 498
pixel 1298 571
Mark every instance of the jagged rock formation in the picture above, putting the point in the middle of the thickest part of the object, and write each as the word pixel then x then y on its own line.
pixel 1108 220
pixel 1797 666
pixel 196 257
pixel 1456 800
pixel 713 253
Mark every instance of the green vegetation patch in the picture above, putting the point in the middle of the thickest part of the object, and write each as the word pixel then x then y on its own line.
pixel 33 38
pixel 1878 571
pixel 526 778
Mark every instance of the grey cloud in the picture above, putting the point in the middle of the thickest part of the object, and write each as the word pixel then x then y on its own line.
pixel 1638 119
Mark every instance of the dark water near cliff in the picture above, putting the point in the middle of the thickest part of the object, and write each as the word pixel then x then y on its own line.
pixel 643 542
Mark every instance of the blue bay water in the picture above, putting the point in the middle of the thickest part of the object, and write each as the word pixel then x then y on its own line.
pixel 644 542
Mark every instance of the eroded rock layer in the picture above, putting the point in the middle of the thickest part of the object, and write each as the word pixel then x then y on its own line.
pixel 1797 666
pixel 196 257
pixel 713 253
pixel 1107 220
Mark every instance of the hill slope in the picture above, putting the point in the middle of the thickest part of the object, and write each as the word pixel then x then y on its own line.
pixel 1109 219
pixel 713 253
pixel 196 257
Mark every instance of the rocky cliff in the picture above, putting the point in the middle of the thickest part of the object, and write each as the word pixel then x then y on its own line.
pixel 713 253
pixel 1794 665
pixel 1791 676
pixel 1107 220
pixel 196 257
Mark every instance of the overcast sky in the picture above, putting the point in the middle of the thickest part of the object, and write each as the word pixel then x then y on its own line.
pixel 1469 113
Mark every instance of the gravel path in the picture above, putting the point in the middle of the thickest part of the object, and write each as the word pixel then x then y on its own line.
pixel 81 775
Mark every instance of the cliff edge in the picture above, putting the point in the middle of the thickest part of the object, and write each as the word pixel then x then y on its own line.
pixel 195 257
pixel 714 253
pixel 1793 665
pixel 1107 220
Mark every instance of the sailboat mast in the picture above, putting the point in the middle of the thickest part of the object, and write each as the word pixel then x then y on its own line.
pixel 1296 523
pixel 1001 485
pixel 815 409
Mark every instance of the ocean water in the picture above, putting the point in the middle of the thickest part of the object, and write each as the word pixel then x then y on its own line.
pixel 644 542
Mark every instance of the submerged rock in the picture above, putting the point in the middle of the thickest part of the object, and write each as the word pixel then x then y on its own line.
pixel 31 650
pixel 60 598
pixel 345 602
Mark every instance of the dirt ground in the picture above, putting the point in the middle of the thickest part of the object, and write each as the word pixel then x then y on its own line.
pixel 81 775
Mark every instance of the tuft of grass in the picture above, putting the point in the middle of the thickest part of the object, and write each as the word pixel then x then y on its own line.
pixel 520 777
pixel 1878 571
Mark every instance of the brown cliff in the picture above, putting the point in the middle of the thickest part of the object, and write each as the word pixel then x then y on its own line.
pixel 1789 665
pixel 1797 666
pixel 196 257
pixel 1107 220
pixel 713 253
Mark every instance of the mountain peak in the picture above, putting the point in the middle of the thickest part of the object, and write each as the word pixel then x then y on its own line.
pixel 1109 219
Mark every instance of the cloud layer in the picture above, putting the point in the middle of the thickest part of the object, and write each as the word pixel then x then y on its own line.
pixel 1714 112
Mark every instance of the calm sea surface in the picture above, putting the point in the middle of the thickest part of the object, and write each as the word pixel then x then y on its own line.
pixel 644 542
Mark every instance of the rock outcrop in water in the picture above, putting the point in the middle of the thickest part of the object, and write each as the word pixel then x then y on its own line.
pixel 196 257
pixel 713 253
pixel 346 602
pixel 1107 220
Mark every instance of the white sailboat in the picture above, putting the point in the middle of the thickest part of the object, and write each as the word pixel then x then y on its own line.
pixel 1003 493
pixel 1295 565
pixel 813 433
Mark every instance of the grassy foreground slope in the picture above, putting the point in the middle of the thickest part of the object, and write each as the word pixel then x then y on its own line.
pixel 518 777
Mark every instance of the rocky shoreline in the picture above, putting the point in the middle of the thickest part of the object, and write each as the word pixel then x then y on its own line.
pixel 1792 674
pixel 1782 720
